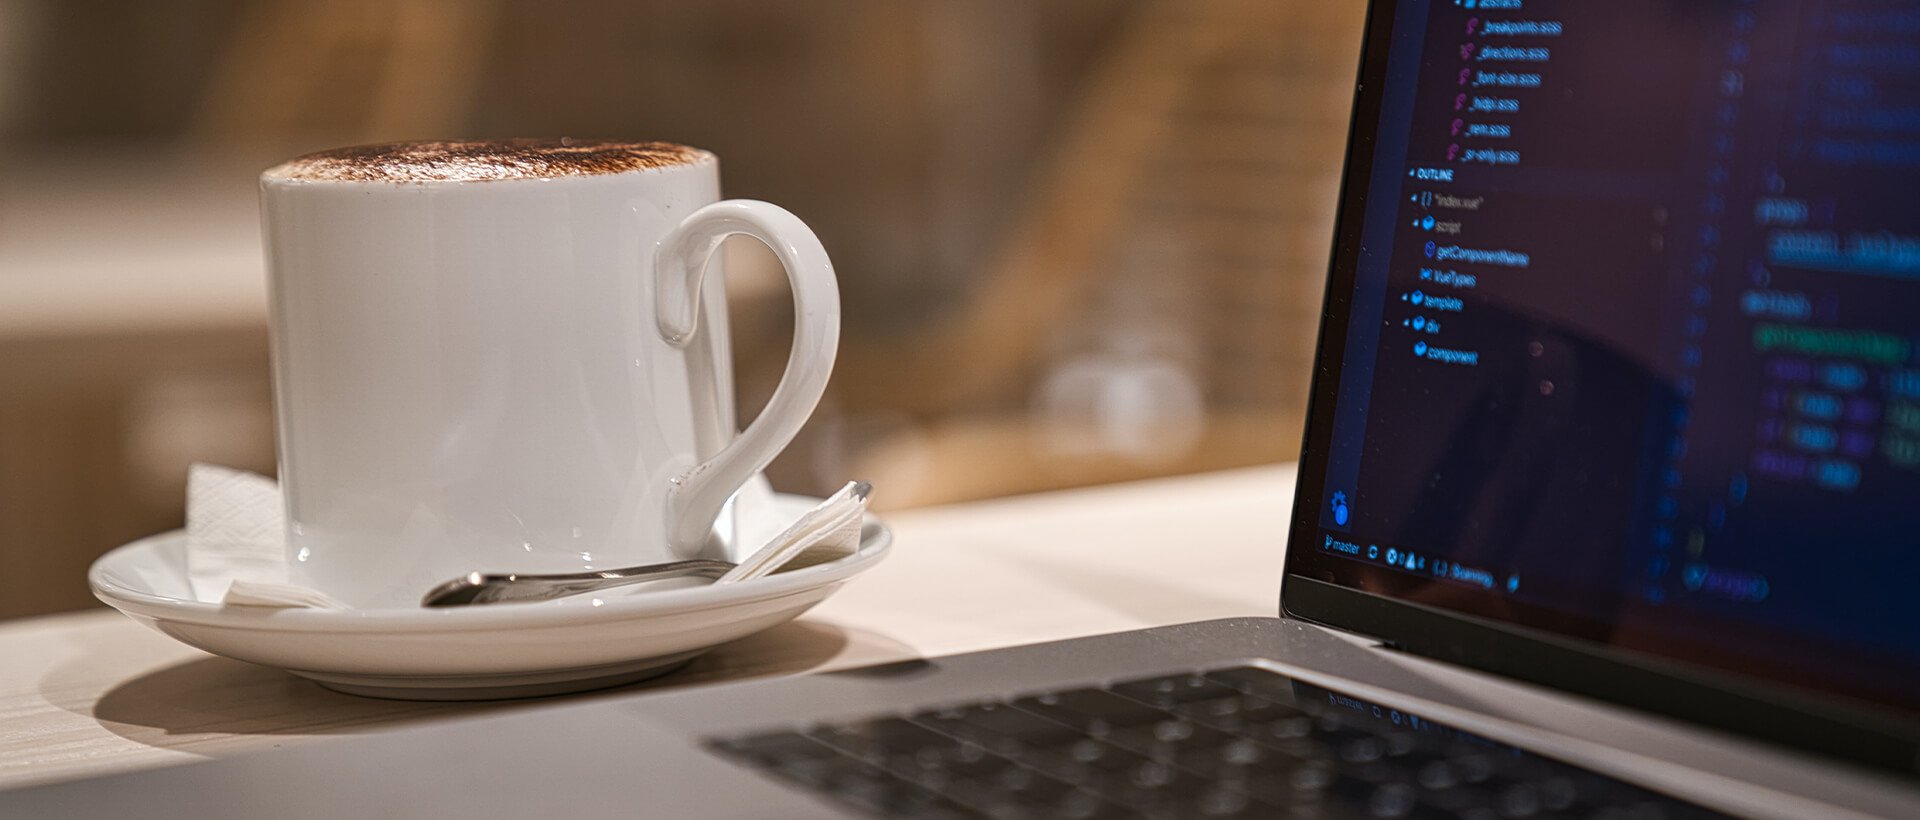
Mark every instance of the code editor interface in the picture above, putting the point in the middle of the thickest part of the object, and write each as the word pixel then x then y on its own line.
pixel 1634 327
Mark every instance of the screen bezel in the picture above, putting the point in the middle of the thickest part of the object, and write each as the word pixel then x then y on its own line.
pixel 1845 728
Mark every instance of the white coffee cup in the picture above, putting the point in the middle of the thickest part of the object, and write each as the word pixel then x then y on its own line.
pixel 497 356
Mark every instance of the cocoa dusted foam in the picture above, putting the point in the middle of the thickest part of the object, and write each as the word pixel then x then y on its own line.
pixel 479 160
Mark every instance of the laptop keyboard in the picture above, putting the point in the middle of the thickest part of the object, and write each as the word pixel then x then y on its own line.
pixel 1231 742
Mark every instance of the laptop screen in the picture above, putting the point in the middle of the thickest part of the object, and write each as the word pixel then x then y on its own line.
pixel 1626 318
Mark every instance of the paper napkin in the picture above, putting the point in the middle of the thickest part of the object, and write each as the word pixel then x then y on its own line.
pixel 236 541
pixel 828 532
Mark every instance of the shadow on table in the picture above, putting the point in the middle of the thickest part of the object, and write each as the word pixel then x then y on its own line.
pixel 205 698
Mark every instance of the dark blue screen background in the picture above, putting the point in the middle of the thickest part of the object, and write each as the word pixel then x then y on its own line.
pixel 1634 349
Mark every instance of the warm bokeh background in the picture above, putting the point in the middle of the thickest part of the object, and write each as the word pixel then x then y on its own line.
pixel 1080 240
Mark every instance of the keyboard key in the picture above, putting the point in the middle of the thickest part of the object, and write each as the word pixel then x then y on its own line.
pixel 1084 805
pixel 1381 800
pixel 1235 711
pixel 1213 801
pixel 1437 775
pixel 1013 786
pixel 1073 805
pixel 1256 681
pixel 960 761
pixel 1238 761
pixel 1558 793
pixel 883 738
pixel 1222 801
pixel 1460 801
pixel 999 726
pixel 773 747
pixel 835 773
pixel 1092 710
pixel 1391 800
pixel 1401 744
pixel 1086 761
pixel 1292 727
pixel 895 798
pixel 1306 783
pixel 1362 750
pixel 1474 766
pixel 1174 689
pixel 1518 800
pixel 1151 785
pixel 1169 738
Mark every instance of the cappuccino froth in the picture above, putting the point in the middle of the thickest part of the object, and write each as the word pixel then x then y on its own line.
pixel 482 160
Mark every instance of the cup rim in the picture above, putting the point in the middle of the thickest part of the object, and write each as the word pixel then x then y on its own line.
pixel 284 173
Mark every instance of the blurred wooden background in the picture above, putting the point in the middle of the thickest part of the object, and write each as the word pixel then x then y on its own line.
pixel 1080 241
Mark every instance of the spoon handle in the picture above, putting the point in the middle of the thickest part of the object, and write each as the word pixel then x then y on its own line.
pixel 480 588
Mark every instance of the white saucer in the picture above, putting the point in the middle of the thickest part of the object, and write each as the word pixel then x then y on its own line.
pixel 481 652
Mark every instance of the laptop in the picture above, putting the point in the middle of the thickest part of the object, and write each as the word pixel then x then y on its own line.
pixel 1607 505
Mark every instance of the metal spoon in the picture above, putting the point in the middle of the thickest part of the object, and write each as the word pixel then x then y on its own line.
pixel 481 588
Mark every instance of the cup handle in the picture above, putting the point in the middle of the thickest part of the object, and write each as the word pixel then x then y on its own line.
pixel 680 266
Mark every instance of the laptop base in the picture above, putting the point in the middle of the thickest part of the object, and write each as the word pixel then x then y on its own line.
pixel 652 754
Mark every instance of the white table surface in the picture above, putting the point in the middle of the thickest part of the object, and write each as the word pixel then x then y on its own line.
pixel 91 692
